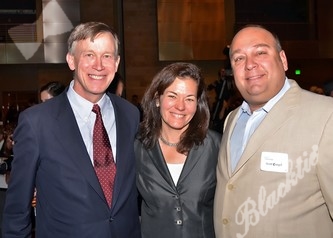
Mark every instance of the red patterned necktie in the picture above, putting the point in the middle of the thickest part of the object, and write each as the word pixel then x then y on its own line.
pixel 104 164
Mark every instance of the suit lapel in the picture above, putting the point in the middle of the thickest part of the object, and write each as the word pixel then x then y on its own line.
pixel 69 136
pixel 281 112
pixel 156 156
pixel 229 127
pixel 123 164
pixel 120 164
pixel 191 160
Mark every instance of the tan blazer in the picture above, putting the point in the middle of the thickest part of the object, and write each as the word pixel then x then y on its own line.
pixel 259 202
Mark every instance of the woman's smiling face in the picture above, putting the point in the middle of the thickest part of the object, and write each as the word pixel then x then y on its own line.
pixel 178 103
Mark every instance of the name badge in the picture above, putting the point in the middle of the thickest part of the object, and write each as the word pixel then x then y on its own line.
pixel 274 162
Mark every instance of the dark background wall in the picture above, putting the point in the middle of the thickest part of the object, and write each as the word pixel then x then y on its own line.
pixel 136 22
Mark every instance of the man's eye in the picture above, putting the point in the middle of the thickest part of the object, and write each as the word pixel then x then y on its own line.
pixel 237 59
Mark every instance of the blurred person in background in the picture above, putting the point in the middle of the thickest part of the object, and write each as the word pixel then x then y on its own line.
pixel 51 90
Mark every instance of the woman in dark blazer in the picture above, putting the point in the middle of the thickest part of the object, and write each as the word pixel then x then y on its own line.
pixel 176 156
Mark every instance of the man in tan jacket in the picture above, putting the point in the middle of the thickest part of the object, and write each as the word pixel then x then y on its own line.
pixel 275 169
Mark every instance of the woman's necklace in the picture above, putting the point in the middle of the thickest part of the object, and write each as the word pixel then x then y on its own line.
pixel 168 143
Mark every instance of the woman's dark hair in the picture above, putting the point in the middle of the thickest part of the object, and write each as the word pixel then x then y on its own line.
pixel 150 128
pixel 53 88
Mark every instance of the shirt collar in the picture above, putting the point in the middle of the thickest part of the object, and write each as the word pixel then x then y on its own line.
pixel 269 105
pixel 82 106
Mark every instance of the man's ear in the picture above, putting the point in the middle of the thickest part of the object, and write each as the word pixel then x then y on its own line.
pixel 117 62
pixel 284 60
pixel 70 61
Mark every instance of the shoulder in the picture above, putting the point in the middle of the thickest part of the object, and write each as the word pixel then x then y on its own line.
pixel 124 110
pixel 138 146
pixel 122 104
pixel 307 100
pixel 317 102
pixel 213 138
pixel 52 106
pixel 214 135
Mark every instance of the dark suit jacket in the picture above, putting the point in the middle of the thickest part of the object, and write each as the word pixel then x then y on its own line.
pixel 185 210
pixel 49 153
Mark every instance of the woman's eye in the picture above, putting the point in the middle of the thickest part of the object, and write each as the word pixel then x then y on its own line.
pixel 190 100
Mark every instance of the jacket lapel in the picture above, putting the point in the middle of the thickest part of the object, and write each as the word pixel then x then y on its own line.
pixel 69 136
pixel 156 156
pixel 191 160
pixel 123 164
pixel 229 127
pixel 282 111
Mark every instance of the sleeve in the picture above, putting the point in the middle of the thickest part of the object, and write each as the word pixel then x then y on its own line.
pixel 16 216
pixel 325 164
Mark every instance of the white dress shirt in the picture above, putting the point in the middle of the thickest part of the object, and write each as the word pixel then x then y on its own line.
pixel 85 119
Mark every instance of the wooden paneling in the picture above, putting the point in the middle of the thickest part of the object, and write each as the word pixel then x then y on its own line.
pixel 191 30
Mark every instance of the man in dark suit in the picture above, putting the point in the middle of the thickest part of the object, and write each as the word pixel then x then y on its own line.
pixel 53 151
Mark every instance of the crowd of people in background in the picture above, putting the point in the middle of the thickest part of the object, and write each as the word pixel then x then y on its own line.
pixel 192 166
pixel 326 89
